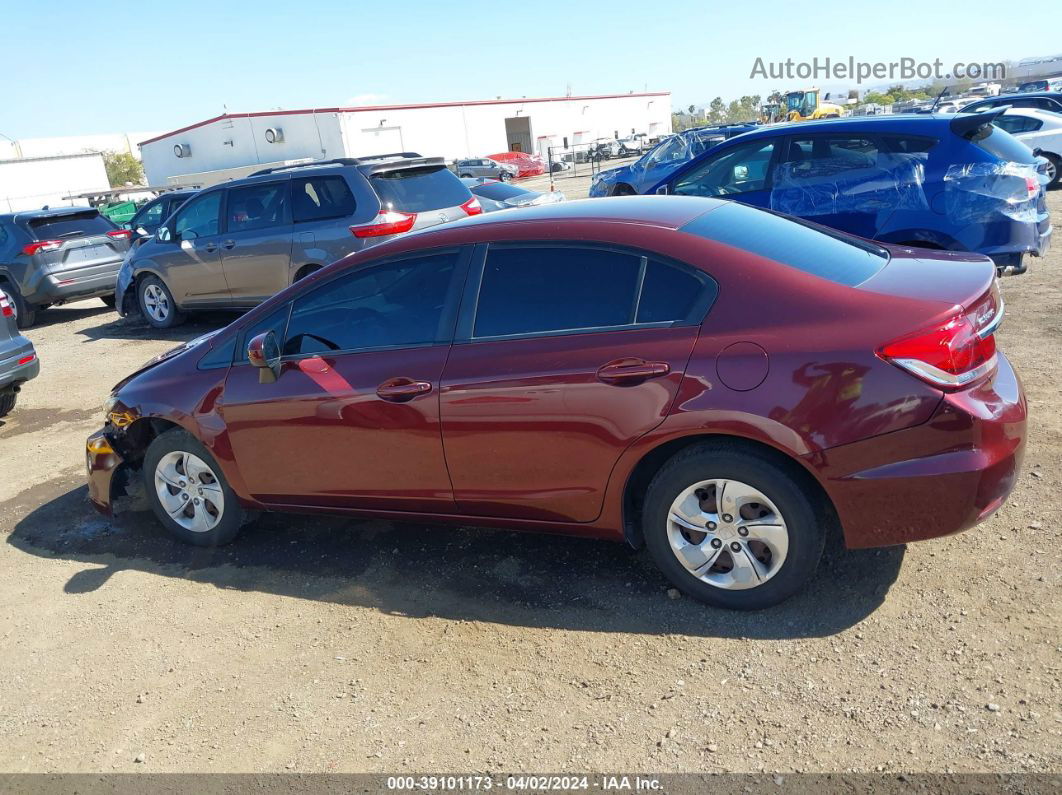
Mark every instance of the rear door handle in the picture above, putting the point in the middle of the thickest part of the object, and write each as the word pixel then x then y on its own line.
pixel 229 244
pixel 210 248
pixel 632 371
pixel 399 390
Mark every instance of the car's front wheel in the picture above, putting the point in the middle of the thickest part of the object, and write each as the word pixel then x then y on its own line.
pixel 731 528
pixel 188 492
pixel 157 304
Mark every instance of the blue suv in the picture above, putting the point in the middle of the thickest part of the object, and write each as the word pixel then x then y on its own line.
pixel 951 182
pixel 661 160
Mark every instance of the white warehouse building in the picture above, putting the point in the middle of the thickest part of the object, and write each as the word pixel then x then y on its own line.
pixel 452 130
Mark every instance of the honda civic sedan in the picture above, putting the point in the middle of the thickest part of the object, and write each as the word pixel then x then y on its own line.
pixel 716 382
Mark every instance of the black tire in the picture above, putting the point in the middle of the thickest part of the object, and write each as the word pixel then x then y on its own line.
pixel 1056 161
pixel 7 403
pixel 108 300
pixel 505 176
pixel 232 515
pixel 173 316
pixel 804 514
pixel 26 315
pixel 465 176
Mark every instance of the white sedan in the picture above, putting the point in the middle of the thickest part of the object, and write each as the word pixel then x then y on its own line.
pixel 1037 129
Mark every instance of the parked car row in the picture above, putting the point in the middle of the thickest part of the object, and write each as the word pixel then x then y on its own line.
pixel 955 183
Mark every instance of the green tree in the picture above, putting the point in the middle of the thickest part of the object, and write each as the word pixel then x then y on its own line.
pixel 122 168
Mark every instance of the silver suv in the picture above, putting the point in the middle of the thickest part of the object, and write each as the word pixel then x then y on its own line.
pixel 485 167
pixel 234 245
pixel 53 256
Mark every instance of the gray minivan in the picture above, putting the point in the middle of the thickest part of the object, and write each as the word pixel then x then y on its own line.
pixel 234 245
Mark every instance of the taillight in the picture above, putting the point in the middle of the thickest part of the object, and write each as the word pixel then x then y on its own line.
pixel 6 310
pixel 27 359
pixel 1032 185
pixel 472 206
pixel 120 234
pixel 41 245
pixel 390 222
pixel 955 353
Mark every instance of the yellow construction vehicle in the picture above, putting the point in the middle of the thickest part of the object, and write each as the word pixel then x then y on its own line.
pixel 805 104
pixel 770 113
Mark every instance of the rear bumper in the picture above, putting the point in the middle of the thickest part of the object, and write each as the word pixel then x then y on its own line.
pixel 14 370
pixel 936 479
pixel 75 284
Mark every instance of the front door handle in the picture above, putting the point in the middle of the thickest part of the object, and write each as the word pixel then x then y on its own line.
pixel 399 390
pixel 210 248
pixel 229 244
pixel 631 371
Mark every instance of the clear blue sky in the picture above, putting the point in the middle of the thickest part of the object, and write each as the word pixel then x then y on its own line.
pixel 94 67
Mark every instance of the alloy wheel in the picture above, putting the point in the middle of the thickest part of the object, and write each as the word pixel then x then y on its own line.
pixel 156 302
pixel 189 491
pixel 727 534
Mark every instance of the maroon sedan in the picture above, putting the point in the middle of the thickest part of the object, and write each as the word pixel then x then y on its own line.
pixel 716 382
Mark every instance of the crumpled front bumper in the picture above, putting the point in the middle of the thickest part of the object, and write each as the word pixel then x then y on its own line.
pixel 102 462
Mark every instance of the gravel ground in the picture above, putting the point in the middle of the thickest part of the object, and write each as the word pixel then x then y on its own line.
pixel 333 645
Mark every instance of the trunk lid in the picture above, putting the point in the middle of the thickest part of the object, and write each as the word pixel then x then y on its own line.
pixel 956 278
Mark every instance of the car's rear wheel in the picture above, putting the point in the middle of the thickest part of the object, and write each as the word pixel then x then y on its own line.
pixel 188 492
pixel 465 176
pixel 25 314
pixel 157 304
pixel 7 402
pixel 505 176
pixel 732 529
pixel 1054 170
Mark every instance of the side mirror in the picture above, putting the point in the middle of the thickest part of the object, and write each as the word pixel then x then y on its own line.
pixel 163 234
pixel 741 173
pixel 263 352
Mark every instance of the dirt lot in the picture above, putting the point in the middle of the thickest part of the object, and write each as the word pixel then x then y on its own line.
pixel 333 645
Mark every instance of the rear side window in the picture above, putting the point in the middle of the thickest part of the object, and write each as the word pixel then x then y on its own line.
pixel 58 227
pixel 670 293
pixel 908 144
pixel 321 198
pixel 1002 144
pixel 415 190
pixel 810 248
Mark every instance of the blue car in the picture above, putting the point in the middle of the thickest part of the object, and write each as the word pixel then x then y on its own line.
pixel 661 160
pixel 952 182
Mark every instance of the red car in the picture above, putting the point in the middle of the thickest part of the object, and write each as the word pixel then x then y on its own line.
pixel 716 382
pixel 528 165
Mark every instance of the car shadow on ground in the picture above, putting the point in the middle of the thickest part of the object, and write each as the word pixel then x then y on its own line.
pixel 133 328
pixel 463 574
pixel 54 315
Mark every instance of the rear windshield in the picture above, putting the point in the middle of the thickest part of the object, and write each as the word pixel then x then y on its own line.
pixel 498 191
pixel 415 190
pixel 62 227
pixel 1002 144
pixel 808 247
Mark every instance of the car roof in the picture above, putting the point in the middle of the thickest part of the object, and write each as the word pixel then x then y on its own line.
pixel 898 122
pixel 668 212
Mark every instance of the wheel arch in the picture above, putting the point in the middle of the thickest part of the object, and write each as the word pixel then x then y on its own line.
pixel 652 460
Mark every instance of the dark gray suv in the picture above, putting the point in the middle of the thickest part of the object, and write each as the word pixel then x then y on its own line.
pixel 234 245
pixel 18 360
pixel 53 256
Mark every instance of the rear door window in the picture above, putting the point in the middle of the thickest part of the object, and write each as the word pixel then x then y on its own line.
pixel 258 206
pixel 415 190
pixel 61 227
pixel 320 198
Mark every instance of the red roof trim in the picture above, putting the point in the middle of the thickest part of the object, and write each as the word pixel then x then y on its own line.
pixel 417 106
